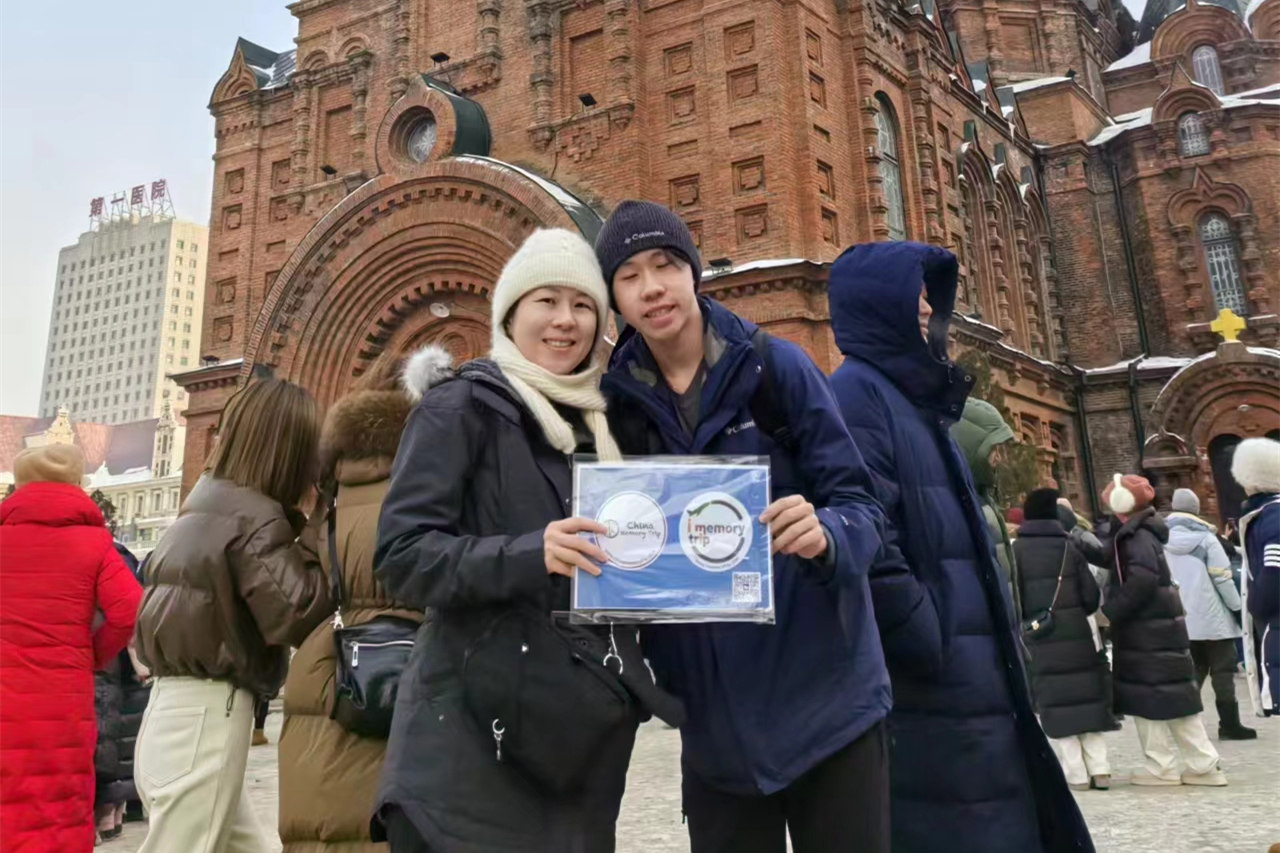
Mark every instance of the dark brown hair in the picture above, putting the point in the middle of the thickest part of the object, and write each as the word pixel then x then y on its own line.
pixel 267 440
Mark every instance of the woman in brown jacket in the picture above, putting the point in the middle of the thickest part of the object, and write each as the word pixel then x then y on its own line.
pixel 229 589
pixel 328 776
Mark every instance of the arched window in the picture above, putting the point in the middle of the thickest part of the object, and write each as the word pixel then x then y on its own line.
pixel 1192 140
pixel 890 169
pixel 1222 260
pixel 1205 69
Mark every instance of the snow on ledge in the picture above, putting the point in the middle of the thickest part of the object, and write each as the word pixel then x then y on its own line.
pixel 1139 55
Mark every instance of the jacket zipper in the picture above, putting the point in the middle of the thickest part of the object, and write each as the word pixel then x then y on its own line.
pixel 355 648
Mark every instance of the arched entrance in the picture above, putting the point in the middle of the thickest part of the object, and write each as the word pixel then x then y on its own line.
pixel 408 258
pixel 1204 411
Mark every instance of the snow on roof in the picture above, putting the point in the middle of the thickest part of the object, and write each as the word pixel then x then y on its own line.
pixel 1122 123
pixel 1158 362
pixel 1142 118
pixel 102 477
pixel 1028 85
pixel 764 264
pixel 1139 55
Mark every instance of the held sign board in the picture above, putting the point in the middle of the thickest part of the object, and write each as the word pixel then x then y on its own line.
pixel 683 538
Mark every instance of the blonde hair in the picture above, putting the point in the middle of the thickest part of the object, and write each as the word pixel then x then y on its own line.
pixel 267 440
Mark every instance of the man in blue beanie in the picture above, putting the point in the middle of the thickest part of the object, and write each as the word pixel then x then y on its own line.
pixel 785 722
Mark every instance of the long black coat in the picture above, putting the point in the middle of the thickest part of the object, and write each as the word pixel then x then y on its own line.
pixel 473 486
pixel 119 701
pixel 1068 676
pixel 1153 671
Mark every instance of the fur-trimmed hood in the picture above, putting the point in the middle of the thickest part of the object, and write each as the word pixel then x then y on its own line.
pixel 366 423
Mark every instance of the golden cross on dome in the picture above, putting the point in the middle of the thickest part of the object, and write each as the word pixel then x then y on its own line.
pixel 1228 325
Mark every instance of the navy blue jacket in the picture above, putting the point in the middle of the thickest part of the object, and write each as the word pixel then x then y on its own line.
pixel 1262 545
pixel 970 768
pixel 767 702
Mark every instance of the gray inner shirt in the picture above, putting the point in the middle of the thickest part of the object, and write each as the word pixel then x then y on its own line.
pixel 689 404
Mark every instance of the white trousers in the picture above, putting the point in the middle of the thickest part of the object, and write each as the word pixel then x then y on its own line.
pixel 1162 740
pixel 192 750
pixel 1081 756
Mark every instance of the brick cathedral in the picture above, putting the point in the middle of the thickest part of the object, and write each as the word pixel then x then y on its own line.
pixel 1110 186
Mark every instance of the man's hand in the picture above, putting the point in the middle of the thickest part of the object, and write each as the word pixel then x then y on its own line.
pixel 794 524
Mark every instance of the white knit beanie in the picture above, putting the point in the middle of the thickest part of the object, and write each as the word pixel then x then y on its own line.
pixel 551 257
pixel 1256 465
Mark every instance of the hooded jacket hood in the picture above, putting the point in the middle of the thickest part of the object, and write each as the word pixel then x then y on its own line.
pixel 873 291
pixel 980 430
pixel 51 504
pixel 1186 532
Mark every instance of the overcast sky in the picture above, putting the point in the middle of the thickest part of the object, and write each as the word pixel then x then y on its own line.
pixel 96 98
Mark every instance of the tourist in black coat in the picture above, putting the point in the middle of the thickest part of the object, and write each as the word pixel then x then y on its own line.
pixel 1068 677
pixel 120 693
pixel 1154 672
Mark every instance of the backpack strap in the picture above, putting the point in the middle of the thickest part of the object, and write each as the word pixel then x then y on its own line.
pixel 766 407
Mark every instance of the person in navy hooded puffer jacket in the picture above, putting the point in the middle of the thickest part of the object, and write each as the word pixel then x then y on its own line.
pixel 971 770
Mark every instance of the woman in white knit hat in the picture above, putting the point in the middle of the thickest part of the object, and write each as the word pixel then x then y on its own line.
pixel 512 732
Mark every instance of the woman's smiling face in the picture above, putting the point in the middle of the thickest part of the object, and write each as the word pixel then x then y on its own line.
pixel 554 327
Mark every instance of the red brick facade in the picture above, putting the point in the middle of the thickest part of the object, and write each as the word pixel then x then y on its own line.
pixel 777 131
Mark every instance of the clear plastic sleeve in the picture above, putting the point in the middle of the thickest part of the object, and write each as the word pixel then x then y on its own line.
pixel 685 540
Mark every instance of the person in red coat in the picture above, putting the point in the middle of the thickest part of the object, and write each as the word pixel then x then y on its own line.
pixel 58 567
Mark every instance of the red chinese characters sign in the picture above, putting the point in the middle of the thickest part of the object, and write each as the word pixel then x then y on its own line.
pixel 95 206
pixel 136 195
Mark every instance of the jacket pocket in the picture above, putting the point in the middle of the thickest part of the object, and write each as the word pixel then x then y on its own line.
pixel 167 748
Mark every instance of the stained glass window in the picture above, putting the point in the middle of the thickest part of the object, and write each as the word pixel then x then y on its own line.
pixel 1205 69
pixel 890 169
pixel 1192 140
pixel 1223 262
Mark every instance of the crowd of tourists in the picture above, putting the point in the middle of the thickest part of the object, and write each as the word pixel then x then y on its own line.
pixel 937 678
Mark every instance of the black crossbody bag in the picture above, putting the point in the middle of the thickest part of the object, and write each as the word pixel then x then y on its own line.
pixel 370 658
pixel 1040 625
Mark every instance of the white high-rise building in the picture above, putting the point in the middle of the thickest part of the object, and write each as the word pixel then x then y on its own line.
pixel 126 313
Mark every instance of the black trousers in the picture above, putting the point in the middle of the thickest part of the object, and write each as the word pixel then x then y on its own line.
pixel 260 713
pixel 840 806
pixel 1216 659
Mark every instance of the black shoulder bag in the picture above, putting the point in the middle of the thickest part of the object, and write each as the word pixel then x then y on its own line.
pixel 1039 625
pixel 370 659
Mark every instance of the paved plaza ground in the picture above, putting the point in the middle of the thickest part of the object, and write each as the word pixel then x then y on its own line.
pixel 1241 818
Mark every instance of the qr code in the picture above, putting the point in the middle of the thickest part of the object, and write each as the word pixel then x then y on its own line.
pixel 746 587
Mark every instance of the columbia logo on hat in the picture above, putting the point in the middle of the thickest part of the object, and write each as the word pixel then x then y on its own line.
pixel 643 234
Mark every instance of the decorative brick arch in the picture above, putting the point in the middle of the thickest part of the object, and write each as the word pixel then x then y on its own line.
pixel 1185 30
pixel 1231 392
pixel 400 262
pixel 1185 209
pixel 1265 21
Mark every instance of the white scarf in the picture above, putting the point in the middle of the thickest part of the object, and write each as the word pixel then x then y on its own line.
pixel 539 387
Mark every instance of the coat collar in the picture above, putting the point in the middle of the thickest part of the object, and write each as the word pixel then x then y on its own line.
pixel 1146 519
pixel 732 375
pixel 1041 528
pixel 496 394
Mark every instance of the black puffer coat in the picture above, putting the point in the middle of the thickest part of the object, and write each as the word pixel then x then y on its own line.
pixel 473 486
pixel 119 700
pixel 1068 676
pixel 1153 671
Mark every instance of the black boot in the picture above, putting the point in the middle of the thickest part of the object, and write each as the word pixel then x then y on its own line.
pixel 1229 727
